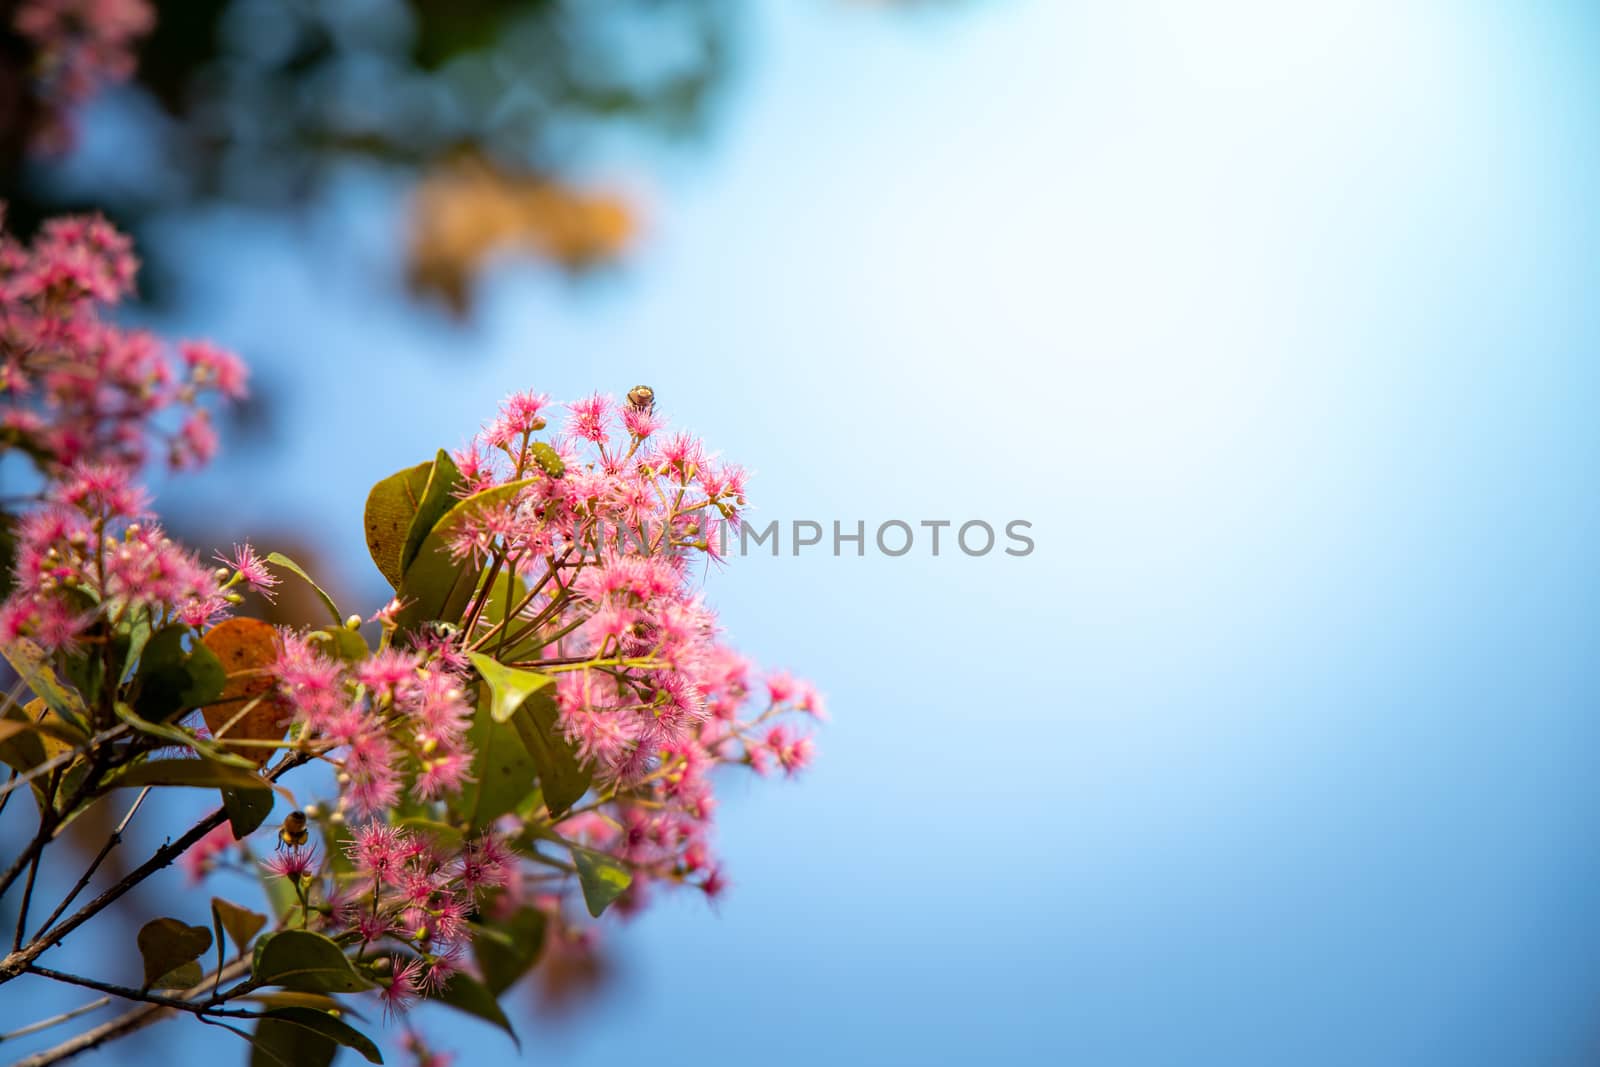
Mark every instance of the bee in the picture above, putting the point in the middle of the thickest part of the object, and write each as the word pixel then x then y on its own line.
pixel 292 834
pixel 642 398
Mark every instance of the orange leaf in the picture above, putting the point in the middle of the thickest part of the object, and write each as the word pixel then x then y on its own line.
pixel 246 647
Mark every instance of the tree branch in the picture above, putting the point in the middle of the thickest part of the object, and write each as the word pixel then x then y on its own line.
pixel 17 962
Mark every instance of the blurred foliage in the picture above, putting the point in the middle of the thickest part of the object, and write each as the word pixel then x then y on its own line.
pixel 468 210
pixel 259 101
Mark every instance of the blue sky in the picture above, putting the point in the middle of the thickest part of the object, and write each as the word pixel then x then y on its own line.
pixel 1277 325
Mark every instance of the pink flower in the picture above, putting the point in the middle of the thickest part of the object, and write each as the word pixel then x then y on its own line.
pixel 378 850
pixel 589 417
pixel 252 570
pixel 210 366
pixel 404 988
pixel 201 856
pixel 293 863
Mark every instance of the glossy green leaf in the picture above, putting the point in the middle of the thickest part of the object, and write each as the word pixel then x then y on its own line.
pixel 300 959
pixel 278 559
pixel 330 1027
pixel 278 1043
pixel 562 776
pixel 32 665
pixel 171 679
pixel 167 944
pixel 391 506
pixel 508 686
pixel 246 809
pixel 508 949
pixel 438 497
pixel 502 770
pixel 467 994
pixel 436 585
pixel 603 878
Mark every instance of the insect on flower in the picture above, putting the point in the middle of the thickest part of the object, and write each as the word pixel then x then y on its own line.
pixel 293 834
pixel 642 398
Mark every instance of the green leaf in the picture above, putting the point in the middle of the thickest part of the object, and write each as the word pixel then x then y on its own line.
pixel 508 949
pixel 391 506
pixel 436 585
pixel 184 976
pixel 509 685
pixel 242 924
pixel 446 838
pixel 342 643
pixel 177 735
pixel 167 944
pixel 246 809
pixel 280 560
pixel 198 773
pixel 311 963
pixel 603 879
pixel 32 665
pixel 562 776
pixel 502 770
pixel 438 497
pixel 330 1027
pixel 278 1043
pixel 171 679
pixel 466 994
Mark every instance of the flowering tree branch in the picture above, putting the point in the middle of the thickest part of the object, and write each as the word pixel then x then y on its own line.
pixel 525 735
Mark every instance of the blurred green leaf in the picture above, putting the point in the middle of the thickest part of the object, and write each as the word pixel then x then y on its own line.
pixel 279 1043
pixel 603 878
pixel 330 1027
pixel 467 994
pixel 506 950
pixel 562 776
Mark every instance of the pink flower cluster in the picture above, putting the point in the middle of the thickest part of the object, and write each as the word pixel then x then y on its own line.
pixel 395 889
pixel 90 550
pixel 396 722
pixel 78 47
pixel 602 546
pixel 75 388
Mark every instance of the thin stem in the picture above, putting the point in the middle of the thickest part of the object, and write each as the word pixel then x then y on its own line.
pixel 127 1023
pixel 56 1020
pixel 129 993
pixel 18 961
pixel 94 865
